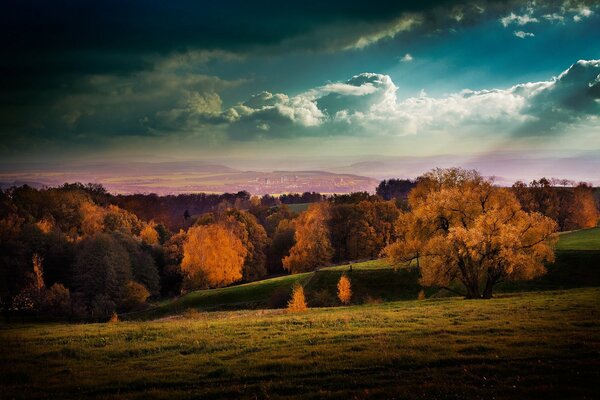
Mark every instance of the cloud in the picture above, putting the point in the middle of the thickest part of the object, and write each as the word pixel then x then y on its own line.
pixel 523 34
pixel 407 58
pixel 512 18
pixel 367 104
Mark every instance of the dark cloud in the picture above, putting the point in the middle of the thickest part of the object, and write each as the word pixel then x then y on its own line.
pixel 82 70
pixel 572 97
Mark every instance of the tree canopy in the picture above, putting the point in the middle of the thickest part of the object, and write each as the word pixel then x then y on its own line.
pixel 462 228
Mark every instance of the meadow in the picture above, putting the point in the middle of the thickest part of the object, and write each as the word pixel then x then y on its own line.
pixel 539 339
pixel 526 345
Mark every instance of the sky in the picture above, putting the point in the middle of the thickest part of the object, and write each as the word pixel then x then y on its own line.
pixel 303 85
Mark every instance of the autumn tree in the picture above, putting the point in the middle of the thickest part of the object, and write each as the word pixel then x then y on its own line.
pixel 149 235
pixel 212 256
pixel 253 237
pixel 583 209
pixel 462 228
pixel 312 248
pixel 298 301
pixel 344 289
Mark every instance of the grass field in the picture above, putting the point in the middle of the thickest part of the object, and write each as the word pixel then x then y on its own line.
pixel 536 339
pixel 527 345
pixel 585 239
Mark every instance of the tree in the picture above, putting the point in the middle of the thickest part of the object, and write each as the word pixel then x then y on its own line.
pixel 298 301
pixel 149 235
pixel 253 237
pixel 283 241
pixel 462 228
pixel 212 256
pixel 583 210
pixel 101 269
pixel 313 247
pixel 344 289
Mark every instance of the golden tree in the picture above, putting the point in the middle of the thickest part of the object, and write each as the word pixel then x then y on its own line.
pixel 313 247
pixel 149 235
pixel 462 228
pixel 212 256
pixel 297 302
pixel 344 289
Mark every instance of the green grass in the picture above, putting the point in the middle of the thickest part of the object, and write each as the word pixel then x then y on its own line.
pixel 585 239
pixel 527 345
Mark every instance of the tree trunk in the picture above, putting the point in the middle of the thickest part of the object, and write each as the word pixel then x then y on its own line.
pixel 489 285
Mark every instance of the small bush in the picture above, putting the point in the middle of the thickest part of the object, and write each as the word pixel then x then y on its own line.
pixel 421 295
pixel 57 301
pixel 344 290
pixel 297 302
pixel 135 296
pixel 114 318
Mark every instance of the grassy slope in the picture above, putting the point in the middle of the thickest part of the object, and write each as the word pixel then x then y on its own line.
pixel 526 345
pixel 577 265
pixel 585 239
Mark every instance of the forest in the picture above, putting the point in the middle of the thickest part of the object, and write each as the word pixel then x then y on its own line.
pixel 79 253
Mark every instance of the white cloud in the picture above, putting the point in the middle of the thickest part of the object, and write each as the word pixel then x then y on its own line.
pixel 407 58
pixel 523 34
pixel 513 18
pixel 366 104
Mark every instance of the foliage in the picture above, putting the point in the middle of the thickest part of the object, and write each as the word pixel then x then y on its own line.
pixel 297 302
pixel 344 290
pixel 149 235
pixel 57 301
pixel 312 248
pixel 135 296
pixel 282 242
pixel 101 270
pixel 212 256
pixel 463 228
pixel 395 188
pixel 254 239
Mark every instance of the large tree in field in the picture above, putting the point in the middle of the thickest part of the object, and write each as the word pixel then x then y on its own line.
pixel 462 228
pixel 212 256
pixel 312 248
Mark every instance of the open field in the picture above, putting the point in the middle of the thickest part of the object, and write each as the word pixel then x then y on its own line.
pixel 527 345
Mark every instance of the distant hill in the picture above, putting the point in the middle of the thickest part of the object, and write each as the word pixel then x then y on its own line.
pixel 186 177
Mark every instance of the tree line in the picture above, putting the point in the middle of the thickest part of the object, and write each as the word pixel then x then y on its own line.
pixel 77 251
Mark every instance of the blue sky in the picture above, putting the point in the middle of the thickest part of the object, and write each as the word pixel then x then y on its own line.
pixel 246 82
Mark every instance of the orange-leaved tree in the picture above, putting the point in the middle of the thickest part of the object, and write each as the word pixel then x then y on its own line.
pixel 297 302
pixel 313 246
pixel 344 289
pixel 463 228
pixel 212 256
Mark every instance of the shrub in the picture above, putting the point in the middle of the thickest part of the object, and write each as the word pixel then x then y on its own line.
pixel 113 318
pixel 344 290
pixel 57 301
pixel 421 295
pixel 297 302
pixel 135 296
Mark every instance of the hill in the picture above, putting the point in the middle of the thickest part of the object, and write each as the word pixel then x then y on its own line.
pixel 526 345
pixel 377 281
pixel 584 239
